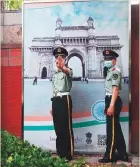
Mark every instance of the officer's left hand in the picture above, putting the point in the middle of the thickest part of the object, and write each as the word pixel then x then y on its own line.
pixel 110 111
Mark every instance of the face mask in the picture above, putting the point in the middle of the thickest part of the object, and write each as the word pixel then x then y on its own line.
pixel 108 64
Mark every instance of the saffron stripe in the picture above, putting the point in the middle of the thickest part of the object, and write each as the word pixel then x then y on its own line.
pixel 75 125
pixel 75 115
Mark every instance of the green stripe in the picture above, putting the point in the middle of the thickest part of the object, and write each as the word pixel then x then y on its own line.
pixel 75 125
pixel 124 119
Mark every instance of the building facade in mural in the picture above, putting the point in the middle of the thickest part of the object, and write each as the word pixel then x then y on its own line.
pixel 80 41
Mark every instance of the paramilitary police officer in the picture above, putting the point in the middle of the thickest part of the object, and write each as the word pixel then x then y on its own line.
pixel 62 105
pixel 113 105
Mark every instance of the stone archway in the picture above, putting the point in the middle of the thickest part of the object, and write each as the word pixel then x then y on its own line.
pixel 44 73
pixel 82 62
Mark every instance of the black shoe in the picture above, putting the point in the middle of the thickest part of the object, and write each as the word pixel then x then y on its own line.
pixel 123 158
pixel 69 158
pixel 106 160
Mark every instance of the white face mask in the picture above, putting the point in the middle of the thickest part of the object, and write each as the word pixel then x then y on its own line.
pixel 108 64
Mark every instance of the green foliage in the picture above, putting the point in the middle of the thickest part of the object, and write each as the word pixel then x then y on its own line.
pixel 16 152
pixel 79 162
pixel 12 4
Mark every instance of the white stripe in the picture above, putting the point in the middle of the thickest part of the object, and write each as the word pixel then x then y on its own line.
pixel 38 123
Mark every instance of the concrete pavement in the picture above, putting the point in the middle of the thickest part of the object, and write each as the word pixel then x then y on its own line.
pixel 92 161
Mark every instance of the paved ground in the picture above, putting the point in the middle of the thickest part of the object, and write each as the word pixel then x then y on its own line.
pixel 92 161
pixel 133 161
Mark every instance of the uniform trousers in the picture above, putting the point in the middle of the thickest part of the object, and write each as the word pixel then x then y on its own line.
pixel 62 119
pixel 115 139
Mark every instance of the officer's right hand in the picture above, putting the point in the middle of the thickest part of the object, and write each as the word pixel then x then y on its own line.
pixel 60 62
pixel 110 111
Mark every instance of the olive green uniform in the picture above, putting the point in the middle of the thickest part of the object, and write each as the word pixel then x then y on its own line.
pixel 62 82
pixel 114 78
pixel 115 139
pixel 62 113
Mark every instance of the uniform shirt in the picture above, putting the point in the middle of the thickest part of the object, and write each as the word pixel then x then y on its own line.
pixel 62 82
pixel 114 78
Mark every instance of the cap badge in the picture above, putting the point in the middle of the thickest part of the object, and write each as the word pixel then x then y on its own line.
pixel 107 52
pixel 59 50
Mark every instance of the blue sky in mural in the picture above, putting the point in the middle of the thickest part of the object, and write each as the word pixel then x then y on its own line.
pixel 110 18
pixel 105 14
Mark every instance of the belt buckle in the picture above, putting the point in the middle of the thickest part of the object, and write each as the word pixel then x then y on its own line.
pixel 59 94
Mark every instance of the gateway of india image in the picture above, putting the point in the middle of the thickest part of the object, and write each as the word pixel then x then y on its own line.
pixel 80 41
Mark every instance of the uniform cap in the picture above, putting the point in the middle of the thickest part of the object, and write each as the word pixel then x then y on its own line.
pixel 60 51
pixel 110 54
